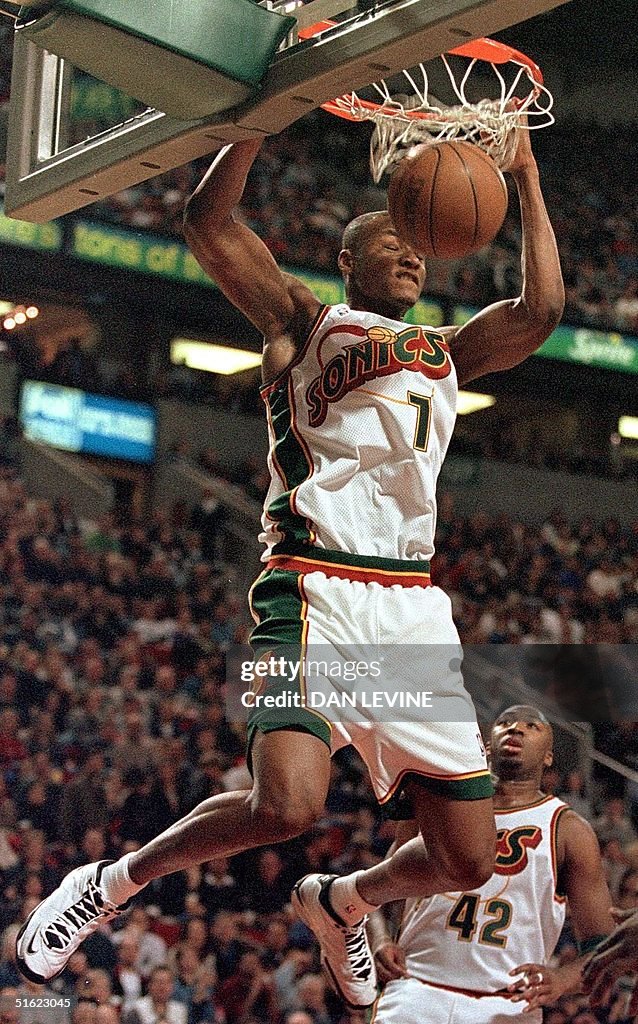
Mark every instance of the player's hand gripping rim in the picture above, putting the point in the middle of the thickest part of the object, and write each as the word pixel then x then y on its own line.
pixel 522 157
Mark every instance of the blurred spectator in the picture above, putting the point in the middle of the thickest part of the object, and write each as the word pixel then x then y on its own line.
pixel 275 942
pixel 194 938
pixel 628 890
pixel 298 1017
pixel 10 976
pixel 225 943
pixel 12 750
pixel 126 975
pixel 96 984
pixel 311 997
pixel 194 985
pixel 218 888
pixel 152 948
pixel 158 1007
pixel 88 1012
pixel 296 963
pixel 83 803
pixel 68 982
pixel 249 993
pixel 207 517
pixel 138 817
pixel 574 792
pixel 271 883
pixel 614 824
pixel 615 863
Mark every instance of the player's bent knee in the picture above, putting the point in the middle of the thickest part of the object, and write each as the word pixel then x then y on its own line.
pixel 285 818
pixel 472 869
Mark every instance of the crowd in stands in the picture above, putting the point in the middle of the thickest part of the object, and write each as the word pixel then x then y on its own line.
pixel 112 726
pixel 562 583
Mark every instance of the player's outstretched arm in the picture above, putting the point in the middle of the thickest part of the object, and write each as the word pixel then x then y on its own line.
pixel 583 879
pixel 507 332
pixel 236 258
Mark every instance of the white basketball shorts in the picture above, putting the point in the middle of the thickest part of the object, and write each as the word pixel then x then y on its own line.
pixel 409 1001
pixel 380 669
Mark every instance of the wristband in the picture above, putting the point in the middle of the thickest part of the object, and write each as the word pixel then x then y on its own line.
pixel 588 945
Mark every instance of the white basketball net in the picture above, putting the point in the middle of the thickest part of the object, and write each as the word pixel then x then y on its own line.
pixel 402 121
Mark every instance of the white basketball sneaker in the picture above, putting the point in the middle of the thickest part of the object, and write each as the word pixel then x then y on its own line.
pixel 345 951
pixel 58 925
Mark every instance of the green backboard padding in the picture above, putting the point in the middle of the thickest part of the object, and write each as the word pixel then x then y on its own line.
pixel 189 59
pixel 234 37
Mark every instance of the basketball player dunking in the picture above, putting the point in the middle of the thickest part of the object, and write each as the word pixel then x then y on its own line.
pixel 361 407
pixel 457 953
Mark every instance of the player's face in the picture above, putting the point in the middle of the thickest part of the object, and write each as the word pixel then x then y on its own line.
pixel 521 742
pixel 387 269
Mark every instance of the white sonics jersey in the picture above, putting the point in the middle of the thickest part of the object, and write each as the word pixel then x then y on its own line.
pixel 472 940
pixel 359 426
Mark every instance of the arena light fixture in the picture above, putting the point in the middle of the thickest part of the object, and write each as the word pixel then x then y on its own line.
pixel 203 355
pixel 628 427
pixel 473 401
pixel 16 315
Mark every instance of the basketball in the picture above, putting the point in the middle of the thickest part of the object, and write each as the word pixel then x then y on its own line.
pixel 447 200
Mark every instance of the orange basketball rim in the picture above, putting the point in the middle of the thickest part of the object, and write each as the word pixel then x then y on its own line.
pixel 414 116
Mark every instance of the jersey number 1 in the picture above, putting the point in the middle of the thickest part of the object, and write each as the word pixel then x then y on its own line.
pixel 423 405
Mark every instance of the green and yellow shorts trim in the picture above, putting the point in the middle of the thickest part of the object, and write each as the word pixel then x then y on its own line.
pixel 467 786
pixel 388 572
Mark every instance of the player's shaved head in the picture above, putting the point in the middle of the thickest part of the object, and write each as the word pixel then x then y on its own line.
pixel 358 229
pixel 521 744
pixel 525 713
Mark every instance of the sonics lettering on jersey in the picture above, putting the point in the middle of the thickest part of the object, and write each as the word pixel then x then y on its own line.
pixel 381 352
pixel 512 846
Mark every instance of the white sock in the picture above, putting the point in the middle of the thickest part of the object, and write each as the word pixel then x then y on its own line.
pixel 116 882
pixel 347 902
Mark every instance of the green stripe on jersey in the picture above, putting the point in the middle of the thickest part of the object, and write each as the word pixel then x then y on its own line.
pixel 291 458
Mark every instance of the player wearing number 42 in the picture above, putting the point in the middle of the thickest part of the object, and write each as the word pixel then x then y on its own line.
pixel 361 408
pixel 482 957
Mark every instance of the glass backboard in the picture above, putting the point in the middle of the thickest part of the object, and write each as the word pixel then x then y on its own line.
pixel 73 140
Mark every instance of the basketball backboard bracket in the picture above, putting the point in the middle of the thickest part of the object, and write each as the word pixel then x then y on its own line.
pixel 45 178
